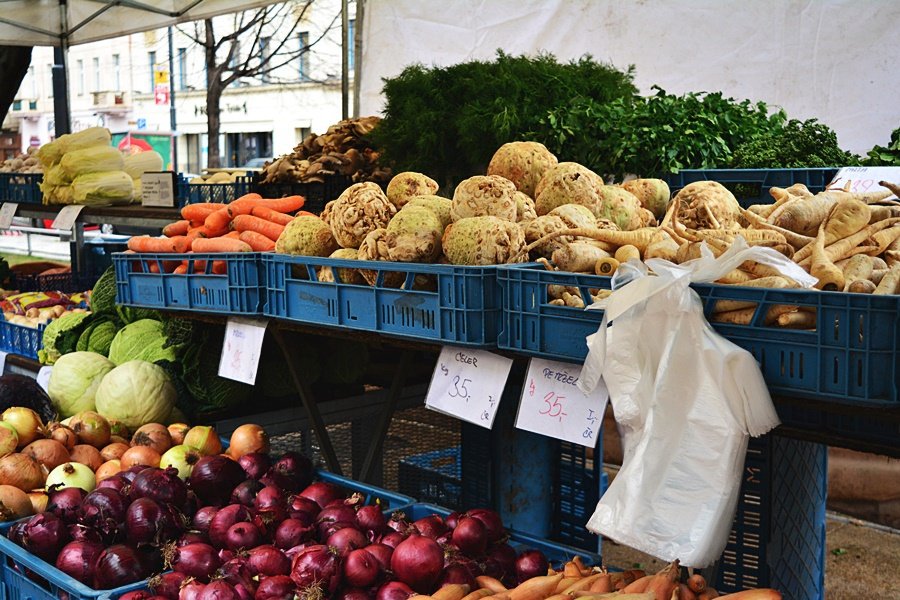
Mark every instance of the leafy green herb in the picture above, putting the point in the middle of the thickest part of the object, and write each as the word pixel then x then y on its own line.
pixel 886 155
pixel 797 145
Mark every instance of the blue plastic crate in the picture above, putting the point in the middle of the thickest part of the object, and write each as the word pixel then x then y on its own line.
pixel 317 194
pixel 26 577
pixel 445 303
pixel 756 182
pixel 433 477
pixel 236 292
pixel 374 495
pixel 852 357
pixel 579 483
pixel 22 188
pixel 192 193
pixel 556 553
pixel 778 539
pixel 21 340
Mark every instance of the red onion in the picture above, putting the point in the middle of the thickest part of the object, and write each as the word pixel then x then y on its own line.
pixel 190 590
pixel 241 536
pixel 192 537
pixel 237 573
pixel 418 561
pixel 354 594
pixel 101 505
pixel 136 595
pixel 452 519
pixel 292 472
pixel 223 520
pixel 255 464
pixel 361 569
pixel 291 532
pixel 83 533
pixel 225 555
pixel 470 536
pixel 399 522
pixel 64 503
pixel 203 517
pixel 322 493
pixel 370 518
pixel 278 587
pixel 162 485
pixel 243 591
pixel 191 505
pixel 44 535
pixel 219 590
pixel 116 482
pixel 457 573
pixel 317 565
pixel 491 521
pixel 214 477
pixel 337 514
pixel 76 559
pixel 382 554
pixel 531 563
pixel 303 508
pixel 505 558
pixel 432 526
pixel 393 539
pixel 194 560
pixel 119 565
pixel 270 497
pixel 245 492
pixel 143 522
pixel 394 590
pixel 16 533
pixel 347 539
pixel 268 561
pixel 167 585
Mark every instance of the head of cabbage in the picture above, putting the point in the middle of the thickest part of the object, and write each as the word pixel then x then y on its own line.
pixel 74 381
pixel 144 339
pixel 136 393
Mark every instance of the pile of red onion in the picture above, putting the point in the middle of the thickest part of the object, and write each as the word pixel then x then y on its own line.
pixel 257 529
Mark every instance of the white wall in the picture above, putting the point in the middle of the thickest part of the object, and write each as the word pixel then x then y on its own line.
pixel 835 60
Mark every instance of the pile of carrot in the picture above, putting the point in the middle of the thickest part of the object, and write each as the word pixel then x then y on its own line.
pixel 576 581
pixel 250 223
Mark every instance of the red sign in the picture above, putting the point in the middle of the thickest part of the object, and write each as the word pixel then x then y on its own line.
pixel 161 95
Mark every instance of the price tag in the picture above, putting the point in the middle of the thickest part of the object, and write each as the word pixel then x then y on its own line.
pixel 3 356
pixel 7 212
pixel 67 216
pixel 158 189
pixel 43 377
pixel 552 405
pixel 467 384
pixel 864 179
pixel 241 349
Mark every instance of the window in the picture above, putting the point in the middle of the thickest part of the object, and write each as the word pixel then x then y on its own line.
pixel 97 85
pixel 303 70
pixel 351 43
pixel 117 78
pixel 50 74
pixel 263 57
pixel 33 82
pixel 151 60
pixel 79 75
pixel 182 68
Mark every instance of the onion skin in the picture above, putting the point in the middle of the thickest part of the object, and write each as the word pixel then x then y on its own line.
pixel 213 479
pixel 140 455
pixel 531 563
pixel 190 590
pixel 162 485
pixel 199 561
pixel 65 503
pixel 293 472
pixel 418 561
pixel 491 521
pixel 92 428
pixel 203 517
pixel 268 561
pixel 76 559
pixel 25 421
pixel 394 590
pixel 382 554
pixel 243 536
pixel 346 540
pixel 113 451
pixel 316 565
pixel 246 439
pixel 277 587
pixel 87 455
pixel 292 532
pixel 167 585
pixel 204 440
pixel 255 464
pixel 22 471
pixel 44 535
pixel 49 453
pixel 63 435
pixel 108 469
pixel 219 590
pixel 14 503
pixel 177 431
pixel 153 435
pixel 119 565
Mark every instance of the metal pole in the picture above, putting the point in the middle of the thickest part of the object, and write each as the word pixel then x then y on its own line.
pixel 357 54
pixel 345 61
pixel 61 118
pixel 172 121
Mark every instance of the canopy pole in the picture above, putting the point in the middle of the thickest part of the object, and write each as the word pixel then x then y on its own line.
pixel 62 118
pixel 345 60
pixel 357 53
pixel 172 118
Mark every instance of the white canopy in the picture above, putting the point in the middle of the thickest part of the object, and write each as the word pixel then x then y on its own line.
pixel 48 22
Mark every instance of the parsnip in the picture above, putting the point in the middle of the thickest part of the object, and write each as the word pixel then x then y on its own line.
pixel 577 257
pixel 889 283
pixel 861 286
pixel 736 277
pixel 626 253
pixel 606 266
pixel 797 320
pixel 795 239
pixel 662 246
pixel 859 267
pixel 821 267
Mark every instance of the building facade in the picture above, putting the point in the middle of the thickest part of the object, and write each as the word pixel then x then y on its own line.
pixel 115 83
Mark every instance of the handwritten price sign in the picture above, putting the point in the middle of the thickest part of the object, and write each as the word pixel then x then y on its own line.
pixel 864 179
pixel 241 349
pixel 467 384
pixel 552 405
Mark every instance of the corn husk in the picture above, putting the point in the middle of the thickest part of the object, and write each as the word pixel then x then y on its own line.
pixel 103 189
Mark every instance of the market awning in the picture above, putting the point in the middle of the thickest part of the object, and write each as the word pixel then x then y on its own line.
pixel 49 22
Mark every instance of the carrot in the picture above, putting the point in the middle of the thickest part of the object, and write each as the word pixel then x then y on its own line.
pixel 638 585
pixel 145 243
pixel 195 233
pixel 257 241
pixel 244 205
pixel 217 221
pixel 219 267
pixel 199 211
pixel 758 594
pixel 182 243
pixel 626 253
pixel 176 228
pixel 220 245
pixel 232 235
pixel 606 266
pixel 181 269
pixel 665 581
pixel 889 282
pixel 251 223
pixel 271 215
pixel 153 267
pixel 489 583
pixel 451 591
pixel 169 266
pixel 696 583
pixel 535 588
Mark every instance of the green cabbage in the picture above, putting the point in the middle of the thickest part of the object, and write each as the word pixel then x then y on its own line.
pixel 61 336
pixel 98 336
pixel 103 296
pixel 74 381
pixel 136 393
pixel 142 340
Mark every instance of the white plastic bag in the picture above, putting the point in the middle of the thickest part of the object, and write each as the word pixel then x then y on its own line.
pixel 686 400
